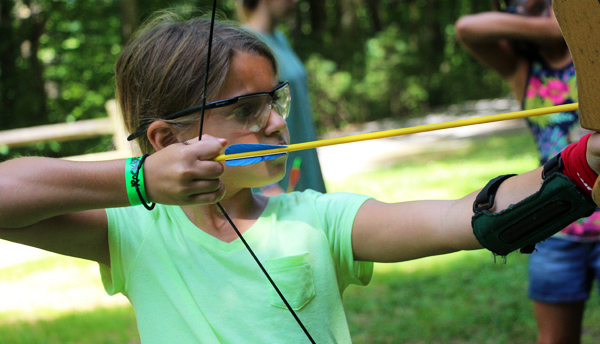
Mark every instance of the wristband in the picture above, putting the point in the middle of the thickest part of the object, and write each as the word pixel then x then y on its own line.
pixel 576 166
pixel 132 180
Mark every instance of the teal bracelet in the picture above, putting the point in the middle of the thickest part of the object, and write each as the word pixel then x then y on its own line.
pixel 134 182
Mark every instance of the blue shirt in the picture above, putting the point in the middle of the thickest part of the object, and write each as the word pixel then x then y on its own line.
pixel 300 121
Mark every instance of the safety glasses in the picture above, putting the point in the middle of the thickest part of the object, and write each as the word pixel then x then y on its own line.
pixel 248 112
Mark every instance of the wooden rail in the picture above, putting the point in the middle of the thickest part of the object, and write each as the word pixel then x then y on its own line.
pixel 111 125
pixel 56 132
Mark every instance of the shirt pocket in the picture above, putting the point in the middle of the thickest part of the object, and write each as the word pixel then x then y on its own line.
pixel 294 278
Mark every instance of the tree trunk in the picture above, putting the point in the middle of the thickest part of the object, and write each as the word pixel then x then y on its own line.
pixel 38 27
pixel 129 19
pixel 318 15
pixel 373 6
pixel 8 47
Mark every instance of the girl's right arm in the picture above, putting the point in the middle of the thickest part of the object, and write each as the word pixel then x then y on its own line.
pixel 58 205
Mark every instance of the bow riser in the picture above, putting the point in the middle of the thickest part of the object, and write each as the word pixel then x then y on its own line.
pixel 579 21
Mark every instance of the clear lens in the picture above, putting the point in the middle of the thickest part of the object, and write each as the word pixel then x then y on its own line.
pixel 252 113
pixel 283 101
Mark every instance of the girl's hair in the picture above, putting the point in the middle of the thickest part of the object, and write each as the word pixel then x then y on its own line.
pixel 162 68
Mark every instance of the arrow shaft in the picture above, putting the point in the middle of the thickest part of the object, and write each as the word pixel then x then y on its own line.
pixel 406 131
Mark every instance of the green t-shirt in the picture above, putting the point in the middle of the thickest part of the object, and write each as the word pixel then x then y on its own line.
pixel 188 287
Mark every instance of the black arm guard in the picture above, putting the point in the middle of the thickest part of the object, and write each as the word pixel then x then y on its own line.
pixel 556 205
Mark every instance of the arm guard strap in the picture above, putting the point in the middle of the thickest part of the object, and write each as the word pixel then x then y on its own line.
pixel 556 205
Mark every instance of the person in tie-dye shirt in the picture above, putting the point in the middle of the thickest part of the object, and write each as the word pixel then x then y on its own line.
pixel 522 42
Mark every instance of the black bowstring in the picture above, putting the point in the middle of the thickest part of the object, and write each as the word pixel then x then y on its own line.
pixel 210 38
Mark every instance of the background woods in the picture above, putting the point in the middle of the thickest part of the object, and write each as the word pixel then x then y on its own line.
pixel 367 60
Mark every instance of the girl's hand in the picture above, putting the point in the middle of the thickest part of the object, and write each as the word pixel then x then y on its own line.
pixel 184 173
pixel 593 159
pixel 593 152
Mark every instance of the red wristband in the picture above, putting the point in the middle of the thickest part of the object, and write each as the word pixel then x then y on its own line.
pixel 576 166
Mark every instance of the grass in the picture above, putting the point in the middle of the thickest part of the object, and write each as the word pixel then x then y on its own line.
pixel 445 174
pixel 457 298
pixel 101 325
pixel 48 298
pixel 462 298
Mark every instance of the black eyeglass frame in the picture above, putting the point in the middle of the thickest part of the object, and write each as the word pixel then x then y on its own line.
pixel 209 106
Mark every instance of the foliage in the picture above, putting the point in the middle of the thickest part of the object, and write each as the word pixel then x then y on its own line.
pixel 367 60
pixel 412 62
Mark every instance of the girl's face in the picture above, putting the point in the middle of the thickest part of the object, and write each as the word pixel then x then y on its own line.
pixel 248 74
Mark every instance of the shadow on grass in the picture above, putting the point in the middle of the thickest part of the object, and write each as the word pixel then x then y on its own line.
pixel 99 326
pixel 457 298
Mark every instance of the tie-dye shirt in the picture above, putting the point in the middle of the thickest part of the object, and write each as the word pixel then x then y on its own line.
pixel 547 86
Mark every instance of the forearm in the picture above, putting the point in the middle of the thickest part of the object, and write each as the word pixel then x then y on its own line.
pixel 394 232
pixel 404 231
pixel 34 189
pixel 456 219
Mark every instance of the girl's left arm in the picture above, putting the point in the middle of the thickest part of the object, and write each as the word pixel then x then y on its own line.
pixel 402 231
pixel 396 232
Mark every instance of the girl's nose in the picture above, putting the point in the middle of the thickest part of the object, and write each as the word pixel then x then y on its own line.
pixel 275 123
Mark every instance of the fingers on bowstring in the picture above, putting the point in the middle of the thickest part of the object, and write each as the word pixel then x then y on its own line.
pixel 208 148
pixel 206 169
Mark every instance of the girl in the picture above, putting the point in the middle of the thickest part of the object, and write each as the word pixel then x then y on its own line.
pixel 182 266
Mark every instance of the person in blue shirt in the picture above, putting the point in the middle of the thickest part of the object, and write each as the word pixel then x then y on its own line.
pixel 262 18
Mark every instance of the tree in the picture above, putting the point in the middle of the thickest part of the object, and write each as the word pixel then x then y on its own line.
pixel 129 19
pixel 22 91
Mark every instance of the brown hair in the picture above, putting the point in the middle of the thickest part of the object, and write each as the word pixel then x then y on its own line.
pixel 162 69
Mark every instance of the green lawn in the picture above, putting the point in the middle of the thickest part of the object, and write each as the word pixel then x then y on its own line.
pixel 457 298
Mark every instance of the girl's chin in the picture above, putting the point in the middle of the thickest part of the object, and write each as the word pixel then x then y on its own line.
pixel 271 172
pixel 277 162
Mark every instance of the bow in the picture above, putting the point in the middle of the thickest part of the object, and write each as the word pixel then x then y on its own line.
pixel 579 21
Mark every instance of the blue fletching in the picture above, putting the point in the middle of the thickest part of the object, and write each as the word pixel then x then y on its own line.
pixel 251 147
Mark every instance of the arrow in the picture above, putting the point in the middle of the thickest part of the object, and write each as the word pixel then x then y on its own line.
pixel 248 148
pixel 247 154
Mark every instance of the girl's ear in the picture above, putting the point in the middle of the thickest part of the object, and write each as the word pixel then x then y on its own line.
pixel 161 134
